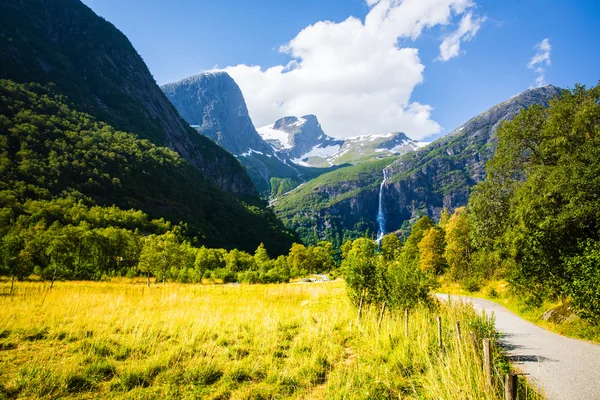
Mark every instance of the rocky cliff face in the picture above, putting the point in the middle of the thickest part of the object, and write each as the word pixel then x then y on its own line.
pixel 95 66
pixel 213 104
pixel 419 183
pixel 442 174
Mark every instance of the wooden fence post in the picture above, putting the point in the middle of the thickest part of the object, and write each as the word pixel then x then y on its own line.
pixel 359 311
pixel 458 330
pixel 381 315
pixel 406 322
pixel 510 387
pixel 487 362
pixel 439 329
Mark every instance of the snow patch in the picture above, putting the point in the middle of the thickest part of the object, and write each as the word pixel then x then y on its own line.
pixel 249 152
pixel 268 133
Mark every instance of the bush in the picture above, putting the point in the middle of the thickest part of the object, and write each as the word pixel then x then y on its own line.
pixel 584 287
pixel 471 284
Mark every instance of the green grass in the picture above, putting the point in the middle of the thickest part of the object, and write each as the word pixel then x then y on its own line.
pixel 298 341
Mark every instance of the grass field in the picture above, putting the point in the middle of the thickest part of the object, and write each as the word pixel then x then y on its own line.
pixel 124 340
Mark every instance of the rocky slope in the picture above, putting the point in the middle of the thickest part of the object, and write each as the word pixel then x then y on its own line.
pixel 95 66
pixel 213 104
pixel 302 139
pixel 345 202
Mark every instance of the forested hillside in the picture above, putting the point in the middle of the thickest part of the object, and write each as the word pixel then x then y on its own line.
pixel 62 169
pixel 536 220
pixel 419 183
pixel 94 65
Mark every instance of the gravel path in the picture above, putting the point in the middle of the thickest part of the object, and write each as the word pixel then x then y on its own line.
pixel 563 368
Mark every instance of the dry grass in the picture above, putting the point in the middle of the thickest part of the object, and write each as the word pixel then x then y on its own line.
pixel 123 340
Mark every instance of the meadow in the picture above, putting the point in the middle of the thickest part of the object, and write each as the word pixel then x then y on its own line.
pixel 299 341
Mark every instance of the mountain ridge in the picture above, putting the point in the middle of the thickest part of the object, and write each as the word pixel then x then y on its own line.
pixel 89 60
pixel 344 203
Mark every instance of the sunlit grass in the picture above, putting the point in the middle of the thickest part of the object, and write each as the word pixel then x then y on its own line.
pixel 124 340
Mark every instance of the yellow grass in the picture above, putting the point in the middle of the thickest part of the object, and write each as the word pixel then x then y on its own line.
pixel 302 341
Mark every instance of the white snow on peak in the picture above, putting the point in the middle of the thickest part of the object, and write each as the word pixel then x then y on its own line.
pixel 268 133
pixel 299 122
pixel 319 151
pixel 369 138
pixel 249 152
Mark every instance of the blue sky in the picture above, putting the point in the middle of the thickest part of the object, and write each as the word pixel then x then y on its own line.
pixel 183 37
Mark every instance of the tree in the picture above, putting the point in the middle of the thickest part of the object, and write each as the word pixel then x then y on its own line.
pixel 584 288
pixel 431 251
pixel 261 258
pixel 540 198
pixel 444 218
pixel 14 258
pixel 151 256
pixel 390 246
pixel 360 272
pixel 409 254
pixel 458 245
pixel 297 260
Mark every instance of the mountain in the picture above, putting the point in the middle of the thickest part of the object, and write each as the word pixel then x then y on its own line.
pixel 297 136
pixel 64 43
pixel 345 203
pixel 213 104
pixel 302 139
pixel 72 169
pixel 96 87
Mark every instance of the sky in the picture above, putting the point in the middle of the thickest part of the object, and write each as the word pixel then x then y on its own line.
pixel 423 67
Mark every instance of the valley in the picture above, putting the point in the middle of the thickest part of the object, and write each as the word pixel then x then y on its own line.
pixel 230 213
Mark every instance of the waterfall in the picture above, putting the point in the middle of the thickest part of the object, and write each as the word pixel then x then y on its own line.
pixel 380 213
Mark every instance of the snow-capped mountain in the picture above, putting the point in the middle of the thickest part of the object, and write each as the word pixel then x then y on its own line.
pixel 302 139
pixel 297 136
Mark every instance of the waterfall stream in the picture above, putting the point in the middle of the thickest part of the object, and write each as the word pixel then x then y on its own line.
pixel 380 213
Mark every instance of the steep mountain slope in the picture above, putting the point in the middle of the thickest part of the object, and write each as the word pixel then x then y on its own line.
pixel 213 104
pixel 64 160
pixel 345 202
pixel 303 140
pixel 91 62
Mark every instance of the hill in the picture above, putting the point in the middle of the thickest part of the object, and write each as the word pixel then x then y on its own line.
pixel 64 43
pixel 57 163
pixel 345 203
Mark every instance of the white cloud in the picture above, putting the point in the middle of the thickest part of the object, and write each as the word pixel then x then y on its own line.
pixel 353 74
pixel 466 31
pixel 540 60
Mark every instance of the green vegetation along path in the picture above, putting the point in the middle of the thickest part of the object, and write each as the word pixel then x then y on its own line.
pixel 561 367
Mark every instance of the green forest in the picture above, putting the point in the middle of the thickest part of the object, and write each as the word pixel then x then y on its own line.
pixel 68 179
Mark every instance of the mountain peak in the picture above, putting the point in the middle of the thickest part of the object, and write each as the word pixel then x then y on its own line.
pixel 214 105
